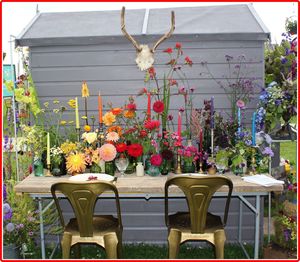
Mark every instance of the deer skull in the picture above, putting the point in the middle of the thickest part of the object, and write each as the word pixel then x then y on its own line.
pixel 145 54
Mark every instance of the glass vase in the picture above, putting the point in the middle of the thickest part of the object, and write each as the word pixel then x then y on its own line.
pixel 188 167
pixel 59 169
pixel 153 171
pixel 165 168
pixel 38 167
pixel 110 168
pixel 131 166
pixel 95 168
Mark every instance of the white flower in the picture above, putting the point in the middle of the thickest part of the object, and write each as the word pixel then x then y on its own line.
pixel 89 137
pixel 112 136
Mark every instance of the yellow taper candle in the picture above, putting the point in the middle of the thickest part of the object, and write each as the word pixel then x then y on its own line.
pixel 48 148
pixel 76 113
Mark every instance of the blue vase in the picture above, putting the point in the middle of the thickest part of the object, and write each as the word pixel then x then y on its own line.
pixel 153 171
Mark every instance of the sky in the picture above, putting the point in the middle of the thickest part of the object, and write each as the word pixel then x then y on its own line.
pixel 16 16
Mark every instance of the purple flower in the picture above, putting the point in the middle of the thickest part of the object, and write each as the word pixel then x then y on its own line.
pixel 248 142
pixel 170 117
pixel 30 233
pixel 277 102
pixel 19 226
pixel 181 109
pixel 4 192
pixel 283 60
pixel 7 211
pixel 287 234
pixel 192 89
pixel 268 151
pixel 10 227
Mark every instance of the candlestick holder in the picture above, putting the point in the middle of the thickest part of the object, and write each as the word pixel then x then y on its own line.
pixel 200 167
pixel 252 168
pixel 48 173
pixel 178 164
pixel 212 142
pixel 100 135
pixel 78 134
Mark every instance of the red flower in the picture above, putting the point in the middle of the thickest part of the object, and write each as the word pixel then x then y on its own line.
pixel 172 82
pixel 130 130
pixel 158 107
pixel 30 169
pixel 168 50
pixel 152 72
pixel 171 62
pixel 178 46
pixel 152 124
pixel 156 160
pixel 131 106
pixel 188 61
pixel 121 147
pixel 135 150
pixel 143 133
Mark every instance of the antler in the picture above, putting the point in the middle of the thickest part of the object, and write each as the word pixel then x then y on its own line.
pixel 128 36
pixel 167 35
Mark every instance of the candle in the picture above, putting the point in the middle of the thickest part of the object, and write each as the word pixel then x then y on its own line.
pixel 179 126
pixel 239 120
pixel 76 113
pixel 100 108
pixel 253 129
pixel 48 148
pixel 212 109
pixel 149 106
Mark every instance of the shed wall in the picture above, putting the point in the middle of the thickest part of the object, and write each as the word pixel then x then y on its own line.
pixel 58 72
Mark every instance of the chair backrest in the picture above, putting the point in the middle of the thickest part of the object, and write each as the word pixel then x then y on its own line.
pixel 198 192
pixel 83 197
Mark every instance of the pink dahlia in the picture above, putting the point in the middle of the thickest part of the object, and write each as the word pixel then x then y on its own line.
pixel 107 152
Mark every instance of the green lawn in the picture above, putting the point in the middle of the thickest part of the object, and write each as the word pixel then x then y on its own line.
pixel 288 150
pixel 143 251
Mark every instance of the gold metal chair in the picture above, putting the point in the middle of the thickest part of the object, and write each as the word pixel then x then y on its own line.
pixel 104 230
pixel 197 224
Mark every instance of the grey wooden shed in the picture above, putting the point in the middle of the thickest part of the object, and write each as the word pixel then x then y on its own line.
pixel 67 48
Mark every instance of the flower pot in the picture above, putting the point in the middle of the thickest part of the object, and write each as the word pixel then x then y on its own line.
pixel 11 251
pixel 110 168
pixel 153 171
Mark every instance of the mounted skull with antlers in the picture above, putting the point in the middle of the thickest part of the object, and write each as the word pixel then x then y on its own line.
pixel 144 58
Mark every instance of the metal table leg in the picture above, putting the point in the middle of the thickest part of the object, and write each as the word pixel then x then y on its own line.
pixel 256 243
pixel 42 228
pixel 269 218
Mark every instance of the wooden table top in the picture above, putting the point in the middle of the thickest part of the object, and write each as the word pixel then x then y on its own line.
pixel 131 184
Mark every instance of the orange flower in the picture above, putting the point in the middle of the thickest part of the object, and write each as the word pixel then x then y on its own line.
pixel 129 114
pixel 117 110
pixel 117 129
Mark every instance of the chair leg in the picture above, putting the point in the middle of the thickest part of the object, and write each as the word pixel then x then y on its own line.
pixel 110 245
pixel 77 251
pixel 66 245
pixel 219 238
pixel 120 245
pixel 174 240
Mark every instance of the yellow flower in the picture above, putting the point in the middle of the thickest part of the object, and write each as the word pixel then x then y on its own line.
pixel 72 103
pixel 109 118
pixel 63 122
pixel 56 101
pixel 129 114
pixel 84 117
pixel 89 137
pixel 71 122
pixel 68 147
pixel 56 111
pixel 46 104
pixel 85 90
pixel 76 163
pixel 95 156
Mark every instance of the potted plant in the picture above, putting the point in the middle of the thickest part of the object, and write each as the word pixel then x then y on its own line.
pixel 291 25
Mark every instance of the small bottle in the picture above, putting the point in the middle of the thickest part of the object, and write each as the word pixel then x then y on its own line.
pixel 139 169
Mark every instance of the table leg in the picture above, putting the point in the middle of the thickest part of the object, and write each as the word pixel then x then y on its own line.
pixel 256 244
pixel 42 228
pixel 269 218
pixel 240 221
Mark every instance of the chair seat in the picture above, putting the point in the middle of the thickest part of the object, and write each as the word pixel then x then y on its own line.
pixel 101 225
pixel 182 221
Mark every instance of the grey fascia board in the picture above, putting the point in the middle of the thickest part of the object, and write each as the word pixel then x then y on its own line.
pixel 97 40
pixel 259 21
pixel 23 32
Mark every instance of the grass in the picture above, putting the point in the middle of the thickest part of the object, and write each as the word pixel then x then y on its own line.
pixel 288 150
pixel 143 251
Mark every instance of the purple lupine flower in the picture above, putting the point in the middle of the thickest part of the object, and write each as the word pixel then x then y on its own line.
pixel 248 142
pixel 10 227
pixel 268 151
pixel 4 192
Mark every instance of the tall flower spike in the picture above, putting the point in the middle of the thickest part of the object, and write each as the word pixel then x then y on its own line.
pixel 85 90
